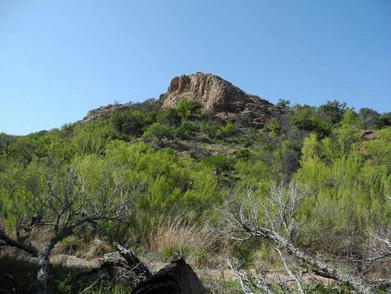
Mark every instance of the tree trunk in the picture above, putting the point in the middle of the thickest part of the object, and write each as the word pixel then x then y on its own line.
pixel 360 285
pixel 43 269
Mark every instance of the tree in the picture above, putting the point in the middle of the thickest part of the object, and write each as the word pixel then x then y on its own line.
pixel 92 137
pixel 169 116
pixel 187 130
pixel 159 132
pixel 306 118
pixel 220 162
pixel 5 140
pixel 227 130
pixel 332 111
pixel 129 122
pixel 186 108
pixel 369 118
pixel 385 119
pixel 56 199
pixel 274 219
pixel 283 103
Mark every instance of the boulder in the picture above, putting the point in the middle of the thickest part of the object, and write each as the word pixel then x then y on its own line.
pixel 176 278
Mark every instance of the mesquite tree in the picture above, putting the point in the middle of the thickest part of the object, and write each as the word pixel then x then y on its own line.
pixel 274 220
pixel 51 201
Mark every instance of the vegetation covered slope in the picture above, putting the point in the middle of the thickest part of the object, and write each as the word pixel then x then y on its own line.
pixel 157 180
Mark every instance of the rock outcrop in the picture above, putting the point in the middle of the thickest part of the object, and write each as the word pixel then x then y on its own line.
pixel 368 135
pixel 219 97
pixel 175 278
pixel 102 111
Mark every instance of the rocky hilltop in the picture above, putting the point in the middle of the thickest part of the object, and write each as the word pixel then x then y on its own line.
pixel 103 110
pixel 219 97
pixel 216 96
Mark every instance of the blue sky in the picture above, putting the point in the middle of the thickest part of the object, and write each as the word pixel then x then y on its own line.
pixel 61 58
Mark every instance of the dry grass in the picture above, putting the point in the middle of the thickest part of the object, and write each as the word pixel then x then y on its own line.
pixel 82 249
pixel 173 238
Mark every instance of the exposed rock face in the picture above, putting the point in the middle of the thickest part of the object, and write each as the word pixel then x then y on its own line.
pixel 176 278
pixel 220 97
pixel 216 95
pixel 102 111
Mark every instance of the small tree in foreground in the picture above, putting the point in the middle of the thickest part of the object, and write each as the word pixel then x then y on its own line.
pixel 274 220
pixel 57 200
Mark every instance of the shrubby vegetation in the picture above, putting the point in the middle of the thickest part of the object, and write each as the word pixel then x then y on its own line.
pixel 156 180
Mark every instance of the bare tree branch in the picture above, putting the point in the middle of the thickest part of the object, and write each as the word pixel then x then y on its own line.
pixel 20 245
pixel 289 272
pixel 277 226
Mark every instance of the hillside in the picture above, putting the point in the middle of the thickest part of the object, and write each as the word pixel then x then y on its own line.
pixel 244 190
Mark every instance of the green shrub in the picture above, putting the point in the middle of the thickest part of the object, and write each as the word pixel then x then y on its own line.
pixel 159 133
pixel 220 162
pixel 129 123
pixel 187 108
pixel 187 130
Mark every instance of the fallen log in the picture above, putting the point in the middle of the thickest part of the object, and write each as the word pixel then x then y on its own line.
pixel 125 258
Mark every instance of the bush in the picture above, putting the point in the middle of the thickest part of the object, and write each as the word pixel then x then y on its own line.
pixel 369 119
pixel 385 119
pixel 227 130
pixel 159 133
pixel 92 137
pixel 243 154
pixel 305 118
pixel 169 116
pixel 129 123
pixel 220 162
pixel 186 130
pixel 332 111
pixel 187 108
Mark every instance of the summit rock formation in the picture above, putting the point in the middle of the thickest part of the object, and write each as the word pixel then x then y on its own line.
pixel 219 97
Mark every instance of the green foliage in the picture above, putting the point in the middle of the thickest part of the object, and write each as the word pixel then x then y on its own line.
pixel 283 103
pixel 332 111
pixel 159 133
pixel 320 149
pixel 305 118
pixel 169 116
pixel 187 108
pixel 210 128
pixel 385 119
pixel 369 119
pixel 347 134
pixel 378 151
pixel 187 130
pixel 243 154
pixel 129 122
pixel 220 162
pixel 349 192
pixel 92 137
pixel 274 127
pixel 227 130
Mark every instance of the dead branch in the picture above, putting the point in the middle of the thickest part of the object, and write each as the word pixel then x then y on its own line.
pixel 289 272
pixel 277 226
pixel 127 259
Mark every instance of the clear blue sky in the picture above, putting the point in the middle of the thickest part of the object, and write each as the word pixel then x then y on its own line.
pixel 61 58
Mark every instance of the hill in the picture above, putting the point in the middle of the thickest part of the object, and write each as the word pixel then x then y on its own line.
pixel 215 95
pixel 226 180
